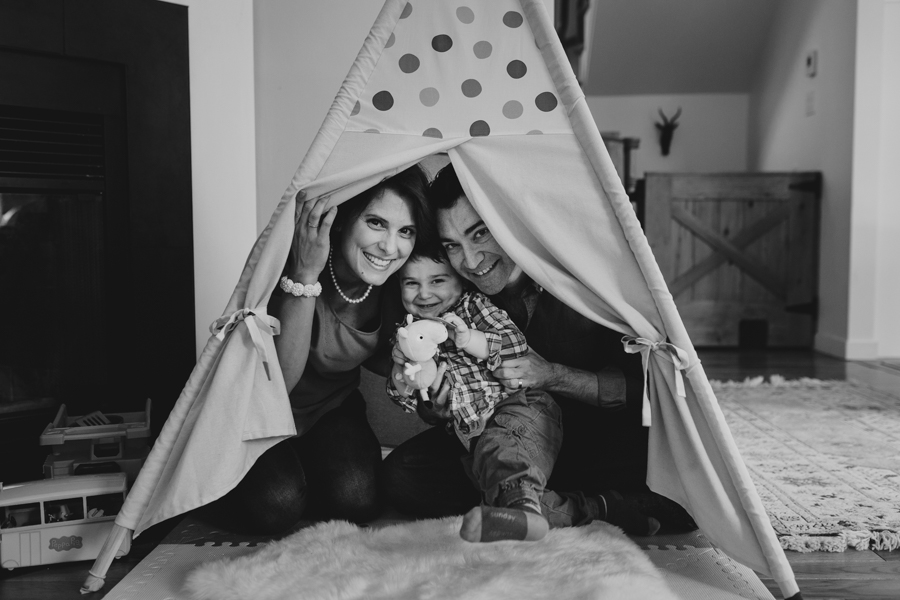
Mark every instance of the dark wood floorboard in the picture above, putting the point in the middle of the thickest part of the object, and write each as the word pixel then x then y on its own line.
pixel 885 555
pixel 852 575
pixel 737 365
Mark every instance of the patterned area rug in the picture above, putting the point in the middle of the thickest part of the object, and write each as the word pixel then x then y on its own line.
pixel 825 458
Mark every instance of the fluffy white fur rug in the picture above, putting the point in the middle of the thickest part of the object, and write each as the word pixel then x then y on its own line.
pixel 427 559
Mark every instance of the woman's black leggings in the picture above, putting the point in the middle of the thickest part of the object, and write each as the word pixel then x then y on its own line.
pixel 327 473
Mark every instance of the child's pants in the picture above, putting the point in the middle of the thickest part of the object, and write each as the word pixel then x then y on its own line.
pixel 514 456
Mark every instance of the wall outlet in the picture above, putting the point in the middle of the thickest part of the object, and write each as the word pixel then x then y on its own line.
pixel 810 103
pixel 812 63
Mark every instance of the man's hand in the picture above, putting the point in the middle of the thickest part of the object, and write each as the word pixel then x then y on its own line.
pixel 529 371
pixel 436 410
pixel 533 371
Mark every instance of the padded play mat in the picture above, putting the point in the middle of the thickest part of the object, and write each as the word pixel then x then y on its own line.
pixel 693 568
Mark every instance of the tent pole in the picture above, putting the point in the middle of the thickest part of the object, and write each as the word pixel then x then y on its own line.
pixel 97 575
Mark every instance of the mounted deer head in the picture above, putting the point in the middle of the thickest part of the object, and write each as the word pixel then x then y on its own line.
pixel 667 130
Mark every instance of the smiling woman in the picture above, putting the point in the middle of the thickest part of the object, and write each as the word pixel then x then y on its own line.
pixel 336 313
pixel 376 240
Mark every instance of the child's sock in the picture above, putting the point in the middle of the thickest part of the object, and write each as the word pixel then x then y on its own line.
pixel 616 511
pixel 520 521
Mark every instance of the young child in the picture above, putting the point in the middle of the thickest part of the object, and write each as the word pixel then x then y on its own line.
pixel 513 438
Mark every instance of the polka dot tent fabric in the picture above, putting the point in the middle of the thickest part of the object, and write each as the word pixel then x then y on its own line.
pixel 457 69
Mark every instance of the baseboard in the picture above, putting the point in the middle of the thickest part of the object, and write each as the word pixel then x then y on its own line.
pixel 847 349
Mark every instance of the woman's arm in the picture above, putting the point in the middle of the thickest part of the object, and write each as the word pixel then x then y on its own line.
pixel 292 346
pixel 309 254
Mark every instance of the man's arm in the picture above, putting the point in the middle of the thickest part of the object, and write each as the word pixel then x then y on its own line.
pixel 605 389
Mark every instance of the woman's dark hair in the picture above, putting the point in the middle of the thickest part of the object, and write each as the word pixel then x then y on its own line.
pixel 410 184
pixel 445 190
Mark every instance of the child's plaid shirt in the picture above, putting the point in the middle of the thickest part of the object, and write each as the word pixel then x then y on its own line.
pixel 475 390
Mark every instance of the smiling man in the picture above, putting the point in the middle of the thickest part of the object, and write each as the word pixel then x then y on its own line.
pixel 598 379
pixel 584 367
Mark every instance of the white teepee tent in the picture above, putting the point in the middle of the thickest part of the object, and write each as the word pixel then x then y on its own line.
pixel 488 83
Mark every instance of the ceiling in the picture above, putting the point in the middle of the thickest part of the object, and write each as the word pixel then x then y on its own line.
pixel 647 47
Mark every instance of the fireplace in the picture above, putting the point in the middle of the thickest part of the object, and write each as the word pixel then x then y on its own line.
pixel 55 258
pixel 96 258
pixel 57 263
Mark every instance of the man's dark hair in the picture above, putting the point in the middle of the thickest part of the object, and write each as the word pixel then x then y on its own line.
pixel 445 190
pixel 432 249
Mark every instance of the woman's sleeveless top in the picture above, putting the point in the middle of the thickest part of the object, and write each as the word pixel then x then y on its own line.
pixel 335 355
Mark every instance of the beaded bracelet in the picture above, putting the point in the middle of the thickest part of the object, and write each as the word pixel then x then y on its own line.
pixel 311 290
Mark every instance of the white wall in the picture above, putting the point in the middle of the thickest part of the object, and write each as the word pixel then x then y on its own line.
pixel 802 123
pixel 711 135
pixel 223 155
pixel 875 241
pixel 303 52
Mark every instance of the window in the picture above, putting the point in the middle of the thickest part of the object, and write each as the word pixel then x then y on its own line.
pixel 57 511
pixel 21 515
pixel 105 505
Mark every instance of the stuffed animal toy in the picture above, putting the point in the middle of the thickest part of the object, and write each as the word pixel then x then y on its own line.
pixel 418 340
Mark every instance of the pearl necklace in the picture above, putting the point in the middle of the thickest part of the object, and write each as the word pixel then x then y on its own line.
pixel 340 291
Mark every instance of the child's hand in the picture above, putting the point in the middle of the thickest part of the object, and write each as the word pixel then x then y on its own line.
pixel 461 334
pixel 400 384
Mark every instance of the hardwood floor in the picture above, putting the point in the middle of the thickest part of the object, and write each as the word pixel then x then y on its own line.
pixel 63 581
pixel 848 575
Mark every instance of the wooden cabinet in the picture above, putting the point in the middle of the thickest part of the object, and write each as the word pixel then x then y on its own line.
pixel 739 253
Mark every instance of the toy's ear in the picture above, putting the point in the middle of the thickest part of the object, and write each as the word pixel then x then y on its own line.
pixel 402 333
pixel 409 319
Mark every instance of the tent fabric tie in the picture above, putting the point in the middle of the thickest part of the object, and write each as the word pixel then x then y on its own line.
pixel 225 324
pixel 670 352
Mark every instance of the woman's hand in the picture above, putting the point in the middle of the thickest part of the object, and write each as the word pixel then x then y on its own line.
pixel 529 371
pixel 309 252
